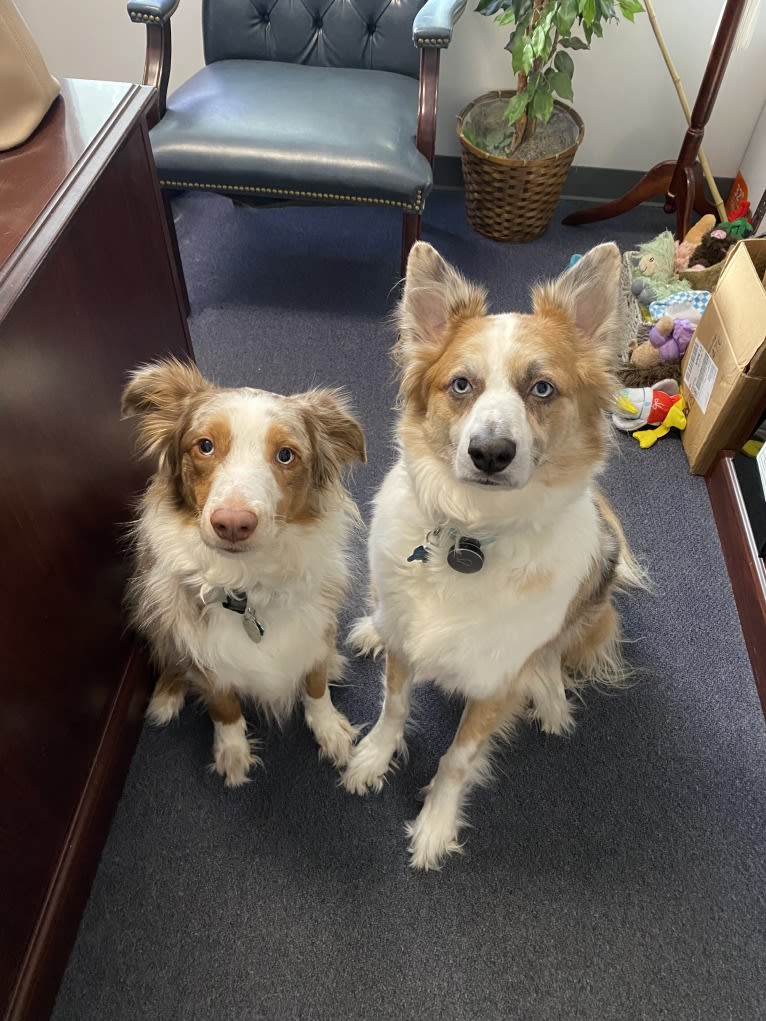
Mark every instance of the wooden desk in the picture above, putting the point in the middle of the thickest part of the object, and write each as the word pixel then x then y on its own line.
pixel 88 289
pixel 747 570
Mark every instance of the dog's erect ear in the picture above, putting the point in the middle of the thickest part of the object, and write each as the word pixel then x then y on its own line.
pixel 434 294
pixel 160 392
pixel 336 436
pixel 590 293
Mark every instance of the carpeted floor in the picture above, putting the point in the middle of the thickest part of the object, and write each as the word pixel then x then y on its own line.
pixel 618 874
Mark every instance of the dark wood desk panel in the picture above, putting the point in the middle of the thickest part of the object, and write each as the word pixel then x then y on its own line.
pixel 747 570
pixel 88 289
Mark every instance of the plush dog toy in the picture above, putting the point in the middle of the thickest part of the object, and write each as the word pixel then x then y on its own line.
pixel 654 274
pixel 668 341
pixel 660 406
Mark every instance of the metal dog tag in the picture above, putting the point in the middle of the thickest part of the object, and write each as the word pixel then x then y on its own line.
pixel 253 627
pixel 466 555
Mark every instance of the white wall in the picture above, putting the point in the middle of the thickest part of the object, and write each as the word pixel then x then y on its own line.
pixel 621 87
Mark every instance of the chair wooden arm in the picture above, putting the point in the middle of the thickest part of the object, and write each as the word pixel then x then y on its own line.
pixel 156 15
pixel 431 33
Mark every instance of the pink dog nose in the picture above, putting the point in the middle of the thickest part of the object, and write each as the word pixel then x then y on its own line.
pixel 233 524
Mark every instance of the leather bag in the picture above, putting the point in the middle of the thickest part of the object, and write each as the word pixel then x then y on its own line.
pixel 27 89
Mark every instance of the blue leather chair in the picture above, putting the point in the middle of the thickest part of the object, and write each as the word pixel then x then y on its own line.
pixel 330 101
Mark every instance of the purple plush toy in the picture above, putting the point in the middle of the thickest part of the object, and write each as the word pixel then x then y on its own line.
pixel 671 337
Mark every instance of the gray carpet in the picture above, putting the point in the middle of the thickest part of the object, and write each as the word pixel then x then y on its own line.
pixel 618 874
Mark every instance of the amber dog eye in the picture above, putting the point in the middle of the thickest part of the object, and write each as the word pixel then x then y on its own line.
pixel 285 455
pixel 206 446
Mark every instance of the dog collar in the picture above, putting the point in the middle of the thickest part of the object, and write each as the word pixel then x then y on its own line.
pixel 236 601
pixel 465 554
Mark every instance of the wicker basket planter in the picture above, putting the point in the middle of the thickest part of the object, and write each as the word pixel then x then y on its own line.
pixel 508 199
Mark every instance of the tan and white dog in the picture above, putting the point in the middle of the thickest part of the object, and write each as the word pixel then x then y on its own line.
pixel 493 556
pixel 241 552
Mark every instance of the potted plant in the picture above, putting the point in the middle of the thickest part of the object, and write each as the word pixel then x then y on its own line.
pixel 518 145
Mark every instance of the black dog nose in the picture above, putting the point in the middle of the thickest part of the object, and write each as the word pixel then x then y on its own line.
pixel 491 455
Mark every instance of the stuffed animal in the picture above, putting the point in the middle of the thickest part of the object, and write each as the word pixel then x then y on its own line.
pixel 712 248
pixel 698 230
pixel 660 406
pixel 668 341
pixel 654 272
pixel 692 239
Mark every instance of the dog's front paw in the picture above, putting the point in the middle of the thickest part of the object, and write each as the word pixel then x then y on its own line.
pixel 233 753
pixel 334 734
pixel 165 705
pixel 433 836
pixel 554 714
pixel 368 765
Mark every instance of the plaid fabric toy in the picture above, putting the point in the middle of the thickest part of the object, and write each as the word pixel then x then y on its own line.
pixel 681 304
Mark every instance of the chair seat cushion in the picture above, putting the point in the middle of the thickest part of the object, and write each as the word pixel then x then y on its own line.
pixel 295 131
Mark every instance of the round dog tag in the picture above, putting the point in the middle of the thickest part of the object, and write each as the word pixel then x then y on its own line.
pixel 466 555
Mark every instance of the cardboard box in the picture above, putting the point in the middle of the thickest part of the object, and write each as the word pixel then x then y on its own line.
pixel 724 368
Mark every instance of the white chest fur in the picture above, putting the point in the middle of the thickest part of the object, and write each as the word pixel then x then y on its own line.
pixel 295 585
pixel 472 633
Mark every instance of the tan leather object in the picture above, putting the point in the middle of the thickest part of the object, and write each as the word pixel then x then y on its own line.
pixel 27 88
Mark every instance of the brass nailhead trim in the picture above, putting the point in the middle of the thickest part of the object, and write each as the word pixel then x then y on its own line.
pixel 297 194
pixel 443 42
pixel 136 16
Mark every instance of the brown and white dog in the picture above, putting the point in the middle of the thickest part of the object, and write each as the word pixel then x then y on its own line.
pixel 241 560
pixel 493 556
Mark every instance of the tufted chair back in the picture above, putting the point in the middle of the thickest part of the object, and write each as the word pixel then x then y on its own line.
pixel 374 34
pixel 302 101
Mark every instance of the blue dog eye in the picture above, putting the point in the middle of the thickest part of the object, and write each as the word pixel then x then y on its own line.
pixel 543 389
pixel 461 386
pixel 285 455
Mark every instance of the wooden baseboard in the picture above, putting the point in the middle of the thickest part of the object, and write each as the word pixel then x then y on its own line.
pixel 54 936
pixel 746 568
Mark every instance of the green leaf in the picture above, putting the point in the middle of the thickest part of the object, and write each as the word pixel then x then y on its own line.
pixel 564 63
pixel 541 107
pixel 538 41
pixel 516 45
pixel 573 43
pixel 521 52
pixel 597 29
pixel 521 8
pixel 470 137
pixel 565 16
pixel 516 106
pixel 560 83
pixel 546 21
pixel 588 11
pixel 489 7
pixel 629 8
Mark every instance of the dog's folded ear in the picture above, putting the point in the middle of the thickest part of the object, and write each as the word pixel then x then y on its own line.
pixel 434 293
pixel 589 292
pixel 337 438
pixel 161 386
pixel 160 392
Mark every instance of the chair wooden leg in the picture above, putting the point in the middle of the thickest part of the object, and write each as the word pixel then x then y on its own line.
pixel 411 225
